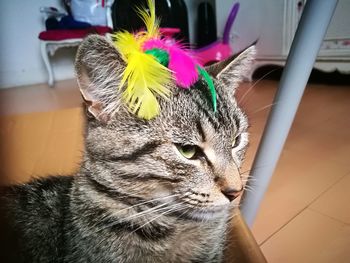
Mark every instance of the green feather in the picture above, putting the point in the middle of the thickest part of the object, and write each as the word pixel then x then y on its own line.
pixel 160 55
pixel 210 83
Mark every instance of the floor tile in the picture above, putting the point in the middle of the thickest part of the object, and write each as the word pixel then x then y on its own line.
pixel 311 238
pixel 335 202
pixel 296 183
pixel 38 144
pixel 314 157
pixel 39 98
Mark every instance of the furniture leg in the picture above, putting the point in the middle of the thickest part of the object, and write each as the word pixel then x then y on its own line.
pixel 306 44
pixel 45 56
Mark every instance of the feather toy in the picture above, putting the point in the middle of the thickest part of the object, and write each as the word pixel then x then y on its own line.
pixel 210 83
pixel 144 76
pixel 181 63
pixel 152 63
pixel 150 20
pixel 183 67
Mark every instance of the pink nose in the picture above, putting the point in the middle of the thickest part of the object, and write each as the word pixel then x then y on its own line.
pixel 231 193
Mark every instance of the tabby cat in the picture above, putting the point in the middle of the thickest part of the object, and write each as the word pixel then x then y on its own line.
pixel 147 191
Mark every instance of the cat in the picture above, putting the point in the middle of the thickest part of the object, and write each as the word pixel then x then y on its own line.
pixel 161 190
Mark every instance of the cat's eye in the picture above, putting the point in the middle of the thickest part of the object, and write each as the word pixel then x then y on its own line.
pixel 188 151
pixel 236 141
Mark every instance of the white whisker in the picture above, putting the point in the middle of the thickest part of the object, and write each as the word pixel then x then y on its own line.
pixel 134 216
pixel 262 108
pixel 162 214
pixel 255 83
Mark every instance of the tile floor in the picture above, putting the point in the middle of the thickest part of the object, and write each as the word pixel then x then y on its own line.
pixel 305 215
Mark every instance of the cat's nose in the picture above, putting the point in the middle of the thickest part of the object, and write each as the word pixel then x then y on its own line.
pixel 231 193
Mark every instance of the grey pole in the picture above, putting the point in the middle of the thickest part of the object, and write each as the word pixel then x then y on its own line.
pixel 306 44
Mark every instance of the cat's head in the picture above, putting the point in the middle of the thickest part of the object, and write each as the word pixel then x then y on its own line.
pixel 188 152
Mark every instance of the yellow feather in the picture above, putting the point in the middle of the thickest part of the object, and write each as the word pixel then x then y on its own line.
pixel 126 43
pixel 144 77
pixel 150 20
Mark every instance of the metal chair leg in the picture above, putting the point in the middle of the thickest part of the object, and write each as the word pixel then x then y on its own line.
pixel 306 44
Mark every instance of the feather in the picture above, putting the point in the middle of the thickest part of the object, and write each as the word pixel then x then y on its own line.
pixel 146 75
pixel 145 79
pixel 126 43
pixel 154 43
pixel 183 67
pixel 210 83
pixel 160 55
pixel 149 19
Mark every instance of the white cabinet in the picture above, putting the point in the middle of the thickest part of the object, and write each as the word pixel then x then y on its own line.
pixel 273 23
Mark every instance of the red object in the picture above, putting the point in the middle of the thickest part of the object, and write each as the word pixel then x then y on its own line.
pixel 103 3
pixel 213 53
pixel 56 35
pixel 169 31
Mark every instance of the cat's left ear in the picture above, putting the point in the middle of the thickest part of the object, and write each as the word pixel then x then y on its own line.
pixel 98 67
pixel 232 70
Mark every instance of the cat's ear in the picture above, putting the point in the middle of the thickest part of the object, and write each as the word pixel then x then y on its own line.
pixel 232 70
pixel 98 68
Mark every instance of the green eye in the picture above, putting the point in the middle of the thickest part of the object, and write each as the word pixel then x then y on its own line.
pixel 236 141
pixel 188 151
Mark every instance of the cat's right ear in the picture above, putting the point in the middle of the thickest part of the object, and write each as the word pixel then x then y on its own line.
pixel 231 71
pixel 98 68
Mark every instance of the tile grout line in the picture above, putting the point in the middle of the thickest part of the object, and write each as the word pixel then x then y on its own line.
pixel 284 225
pixel 330 217
pixel 302 210
pixel 326 190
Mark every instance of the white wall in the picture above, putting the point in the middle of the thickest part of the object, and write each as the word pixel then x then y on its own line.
pixel 248 25
pixel 20 59
pixel 21 22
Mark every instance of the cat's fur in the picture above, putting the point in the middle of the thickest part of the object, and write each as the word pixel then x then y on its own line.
pixel 104 213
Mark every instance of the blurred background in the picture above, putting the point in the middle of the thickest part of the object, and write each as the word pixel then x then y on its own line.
pixel 305 216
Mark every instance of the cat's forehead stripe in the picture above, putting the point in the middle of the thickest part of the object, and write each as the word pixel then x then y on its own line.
pixel 200 130
pixel 222 107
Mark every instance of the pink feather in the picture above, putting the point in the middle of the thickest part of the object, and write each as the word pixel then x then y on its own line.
pixel 181 63
pixel 153 43
pixel 183 67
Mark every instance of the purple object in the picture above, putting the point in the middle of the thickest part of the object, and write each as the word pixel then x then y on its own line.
pixel 229 23
pixel 221 49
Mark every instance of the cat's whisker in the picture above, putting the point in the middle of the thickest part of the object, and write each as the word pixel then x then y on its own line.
pixel 253 169
pixel 245 179
pixel 148 211
pixel 158 216
pixel 246 171
pixel 147 202
pixel 184 212
pixel 254 84
pixel 262 108
pixel 231 216
pixel 143 213
pixel 248 188
pixel 245 175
